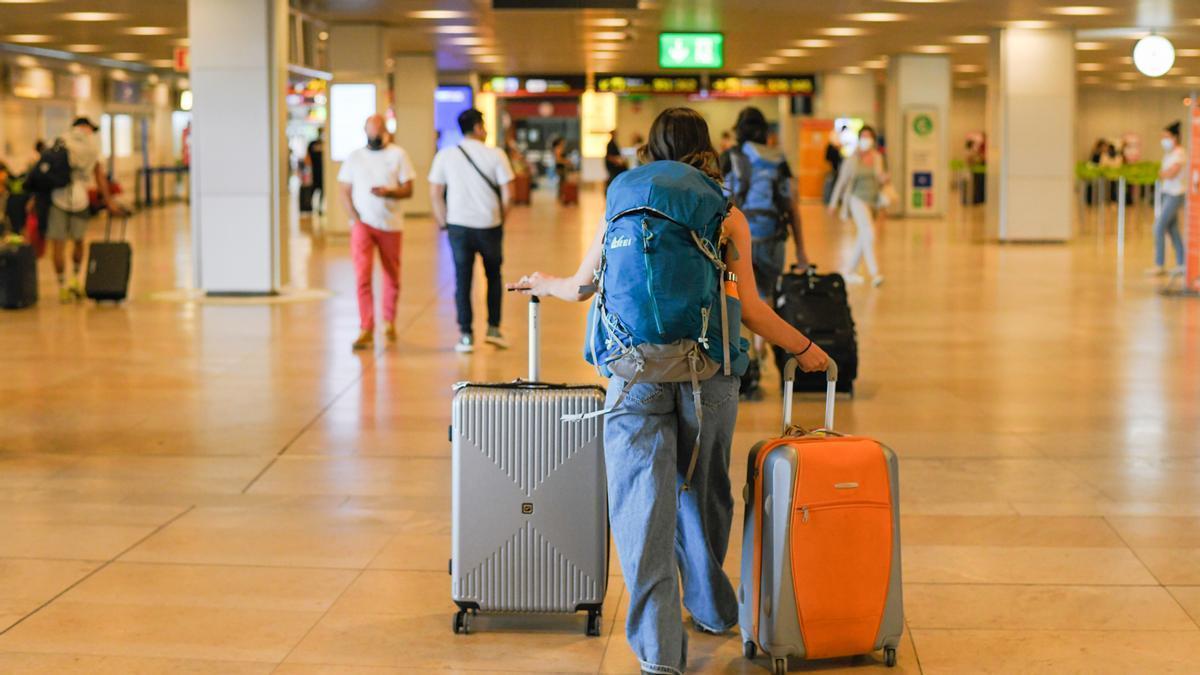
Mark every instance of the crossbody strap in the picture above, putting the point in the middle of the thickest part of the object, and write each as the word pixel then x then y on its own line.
pixel 490 183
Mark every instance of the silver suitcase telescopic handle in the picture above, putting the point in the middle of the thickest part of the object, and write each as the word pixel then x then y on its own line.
pixel 535 347
pixel 789 381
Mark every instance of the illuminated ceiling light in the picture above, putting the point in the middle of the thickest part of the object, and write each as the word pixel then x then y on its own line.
pixel 877 17
pixel 971 39
pixel 813 43
pixel 1153 55
pixel 608 22
pixel 875 65
pixel 842 31
pixel 1124 86
pixel 1091 80
pixel 932 49
pixel 1127 60
pixel 466 41
pixel 162 63
pixel 92 16
pixel 29 38
pixel 183 42
pixel 853 70
pixel 610 35
pixel 323 35
pixel 923 2
pixel 792 53
pixel 454 29
pixel 1158 83
pixel 148 30
pixel 437 14
pixel 480 51
pixel 607 47
pixel 968 68
pixel 1090 46
pixel 1080 10
pixel 1030 24
pixel 84 49
pixel 775 60
pixel 127 56
pixel 489 58
pixel 1089 66
pixel 1187 52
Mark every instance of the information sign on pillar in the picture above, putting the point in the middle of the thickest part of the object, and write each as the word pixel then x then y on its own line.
pixel 1192 272
pixel 921 161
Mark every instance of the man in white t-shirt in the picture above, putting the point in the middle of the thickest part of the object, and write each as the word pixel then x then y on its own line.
pixel 469 185
pixel 68 215
pixel 372 182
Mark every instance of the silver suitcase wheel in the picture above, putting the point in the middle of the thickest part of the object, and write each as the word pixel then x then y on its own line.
pixel 780 666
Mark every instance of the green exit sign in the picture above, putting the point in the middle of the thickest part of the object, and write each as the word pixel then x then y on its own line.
pixel 691 50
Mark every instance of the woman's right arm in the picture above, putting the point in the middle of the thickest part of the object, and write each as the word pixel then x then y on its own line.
pixel 575 288
pixel 842 183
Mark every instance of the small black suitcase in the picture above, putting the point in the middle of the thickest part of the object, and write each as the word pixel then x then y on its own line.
pixel 109 263
pixel 817 305
pixel 306 198
pixel 18 276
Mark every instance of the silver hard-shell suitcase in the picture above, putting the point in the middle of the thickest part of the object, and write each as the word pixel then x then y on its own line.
pixel 530 509
pixel 782 572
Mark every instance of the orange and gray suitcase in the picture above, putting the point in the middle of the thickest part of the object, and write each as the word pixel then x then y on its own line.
pixel 530 509
pixel 821 547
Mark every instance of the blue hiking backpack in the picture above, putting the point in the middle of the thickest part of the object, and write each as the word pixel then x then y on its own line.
pixel 661 311
pixel 759 187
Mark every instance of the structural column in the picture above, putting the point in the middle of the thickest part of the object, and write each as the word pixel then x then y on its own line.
pixel 918 122
pixel 847 95
pixel 1031 135
pixel 415 76
pixel 239 159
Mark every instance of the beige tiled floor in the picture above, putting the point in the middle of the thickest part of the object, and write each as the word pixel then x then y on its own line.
pixel 228 489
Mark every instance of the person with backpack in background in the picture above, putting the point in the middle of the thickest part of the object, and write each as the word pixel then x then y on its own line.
pixel 759 182
pixel 857 191
pixel 469 185
pixel 65 171
pixel 667 272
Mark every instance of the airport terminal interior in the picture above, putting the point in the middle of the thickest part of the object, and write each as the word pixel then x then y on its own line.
pixel 217 474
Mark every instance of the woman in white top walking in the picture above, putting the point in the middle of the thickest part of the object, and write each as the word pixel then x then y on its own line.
pixel 861 178
pixel 1171 178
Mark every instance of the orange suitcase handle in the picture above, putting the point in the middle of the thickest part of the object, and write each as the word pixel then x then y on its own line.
pixel 789 378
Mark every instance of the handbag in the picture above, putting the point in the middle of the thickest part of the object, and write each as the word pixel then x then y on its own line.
pixel 33 234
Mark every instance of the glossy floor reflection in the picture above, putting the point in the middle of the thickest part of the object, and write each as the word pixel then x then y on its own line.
pixel 206 488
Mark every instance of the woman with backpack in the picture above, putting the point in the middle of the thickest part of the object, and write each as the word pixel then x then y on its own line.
pixel 857 190
pixel 670 418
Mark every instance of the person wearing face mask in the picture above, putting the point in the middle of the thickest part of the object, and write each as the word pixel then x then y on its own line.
pixel 371 183
pixel 857 190
pixel 1172 175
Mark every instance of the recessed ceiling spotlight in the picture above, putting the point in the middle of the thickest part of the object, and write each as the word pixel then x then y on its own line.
pixel 1089 66
pixel 466 41
pixel 1090 46
pixel 1187 52
pixel 148 30
pixel 28 38
pixel 437 14
pixel 84 49
pixel 874 65
pixel 454 29
pixel 853 70
pixel 842 31
pixel 127 56
pixel 607 47
pixel 775 60
pixel 609 35
pixel 92 16
pixel 792 53
pixel 971 39
pixel 813 43
pixel 877 17
pixel 932 49
pixel 1030 24
pixel 489 58
pixel 1080 10
pixel 162 63
pixel 968 68
pixel 608 22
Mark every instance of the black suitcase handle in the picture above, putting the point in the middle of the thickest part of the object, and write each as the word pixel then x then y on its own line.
pixel 108 227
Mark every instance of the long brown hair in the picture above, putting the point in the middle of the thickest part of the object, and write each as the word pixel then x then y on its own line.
pixel 681 134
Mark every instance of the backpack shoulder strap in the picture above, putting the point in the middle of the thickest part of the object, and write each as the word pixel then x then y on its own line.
pixel 741 174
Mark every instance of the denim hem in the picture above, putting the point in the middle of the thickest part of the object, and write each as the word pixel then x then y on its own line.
pixel 660 670
pixel 712 631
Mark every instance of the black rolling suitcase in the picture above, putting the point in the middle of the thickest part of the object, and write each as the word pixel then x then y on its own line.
pixel 108 267
pixel 18 276
pixel 306 198
pixel 817 305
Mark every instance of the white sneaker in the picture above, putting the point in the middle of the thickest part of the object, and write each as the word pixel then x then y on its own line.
pixel 465 345
pixel 1155 271
pixel 877 281
pixel 1178 271
pixel 495 338
pixel 853 278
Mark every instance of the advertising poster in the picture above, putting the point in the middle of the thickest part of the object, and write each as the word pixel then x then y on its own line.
pixel 921 168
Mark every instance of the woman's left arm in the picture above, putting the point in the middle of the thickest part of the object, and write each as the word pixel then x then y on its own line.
pixel 756 314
